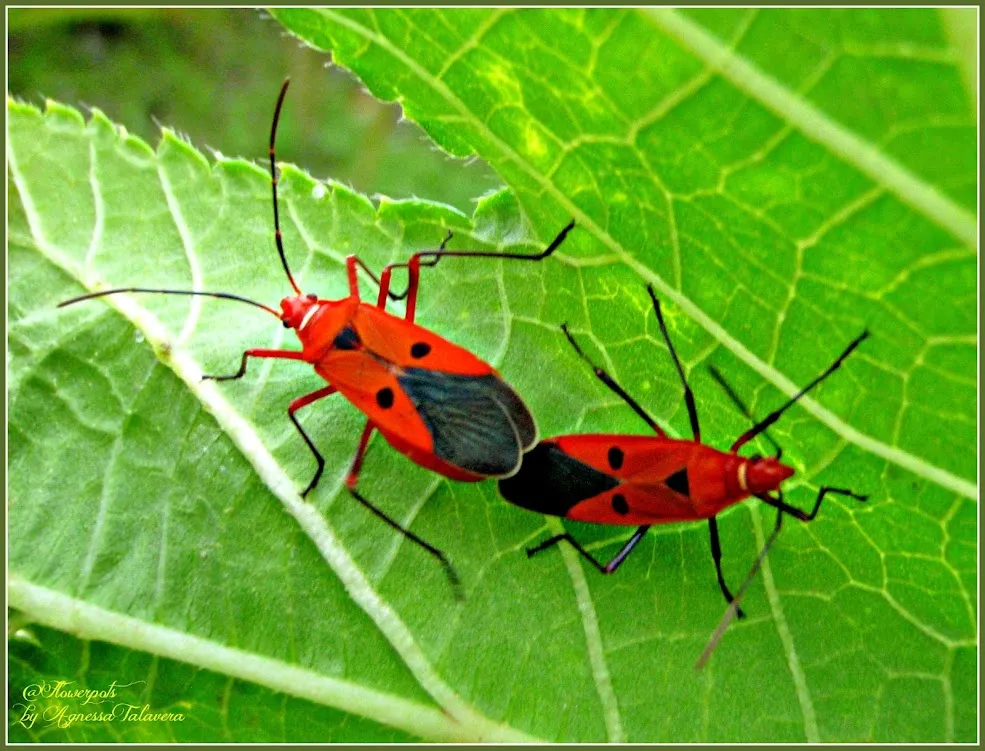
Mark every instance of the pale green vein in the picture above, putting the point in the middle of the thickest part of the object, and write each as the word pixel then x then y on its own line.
pixel 86 621
pixel 786 638
pixel 188 242
pixel 819 126
pixel 898 456
pixel 98 207
pixel 593 640
pixel 961 27
pixel 462 721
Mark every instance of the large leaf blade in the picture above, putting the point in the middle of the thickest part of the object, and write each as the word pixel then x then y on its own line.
pixel 848 612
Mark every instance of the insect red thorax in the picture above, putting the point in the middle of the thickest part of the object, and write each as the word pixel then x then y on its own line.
pixel 317 323
pixel 433 401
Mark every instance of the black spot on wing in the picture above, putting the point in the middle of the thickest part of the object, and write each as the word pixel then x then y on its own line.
pixel 477 423
pixel 616 457
pixel 347 338
pixel 551 482
pixel 678 482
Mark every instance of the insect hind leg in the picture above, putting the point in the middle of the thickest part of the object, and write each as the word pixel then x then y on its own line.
pixel 804 516
pixel 605 568
pixel 350 483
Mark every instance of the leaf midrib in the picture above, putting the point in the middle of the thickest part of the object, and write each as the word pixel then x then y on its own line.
pixel 893 454
pixel 459 721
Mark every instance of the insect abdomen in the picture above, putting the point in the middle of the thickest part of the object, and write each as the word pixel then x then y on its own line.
pixel 551 482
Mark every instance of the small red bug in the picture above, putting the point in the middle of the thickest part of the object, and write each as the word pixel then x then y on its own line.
pixel 433 401
pixel 640 481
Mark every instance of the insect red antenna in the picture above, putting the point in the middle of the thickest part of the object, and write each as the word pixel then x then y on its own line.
pixel 773 416
pixel 219 295
pixel 273 183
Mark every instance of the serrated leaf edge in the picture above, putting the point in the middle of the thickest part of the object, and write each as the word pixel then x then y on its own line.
pixel 468 724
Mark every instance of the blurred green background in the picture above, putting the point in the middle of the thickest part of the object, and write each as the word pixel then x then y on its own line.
pixel 214 74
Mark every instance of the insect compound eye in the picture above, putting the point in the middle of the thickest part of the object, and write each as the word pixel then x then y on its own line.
pixel 286 323
pixel 312 296
pixel 755 457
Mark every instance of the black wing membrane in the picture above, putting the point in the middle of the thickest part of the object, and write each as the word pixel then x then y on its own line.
pixel 476 423
pixel 551 482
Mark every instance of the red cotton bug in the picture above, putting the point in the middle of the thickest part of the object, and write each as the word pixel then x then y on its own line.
pixel 433 401
pixel 637 480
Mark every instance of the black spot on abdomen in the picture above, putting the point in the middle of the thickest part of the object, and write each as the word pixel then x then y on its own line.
pixel 419 350
pixel 384 397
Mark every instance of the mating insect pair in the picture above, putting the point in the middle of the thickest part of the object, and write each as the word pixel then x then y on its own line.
pixel 452 413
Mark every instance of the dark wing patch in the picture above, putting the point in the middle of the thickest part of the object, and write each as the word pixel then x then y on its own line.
pixel 678 482
pixel 347 339
pixel 476 423
pixel 551 482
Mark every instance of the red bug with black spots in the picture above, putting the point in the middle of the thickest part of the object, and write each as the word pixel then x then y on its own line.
pixel 639 480
pixel 433 401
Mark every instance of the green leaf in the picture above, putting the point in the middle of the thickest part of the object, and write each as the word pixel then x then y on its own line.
pixel 774 223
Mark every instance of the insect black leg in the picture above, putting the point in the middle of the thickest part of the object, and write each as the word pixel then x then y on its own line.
pixel 733 607
pixel 350 482
pixel 294 407
pixel 716 554
pixel 613 386
pixel 692 411
pixel 438 254
pixel 605 568
pixel 797 513
pixel 730 392
pixel 281 354
pixel 773 416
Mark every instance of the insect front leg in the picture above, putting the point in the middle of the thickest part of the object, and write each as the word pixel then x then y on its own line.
pixel 304 401
pixel 353 478
pixel 281 354
pixel 605 568
pixel 716 554
pixel 797 513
